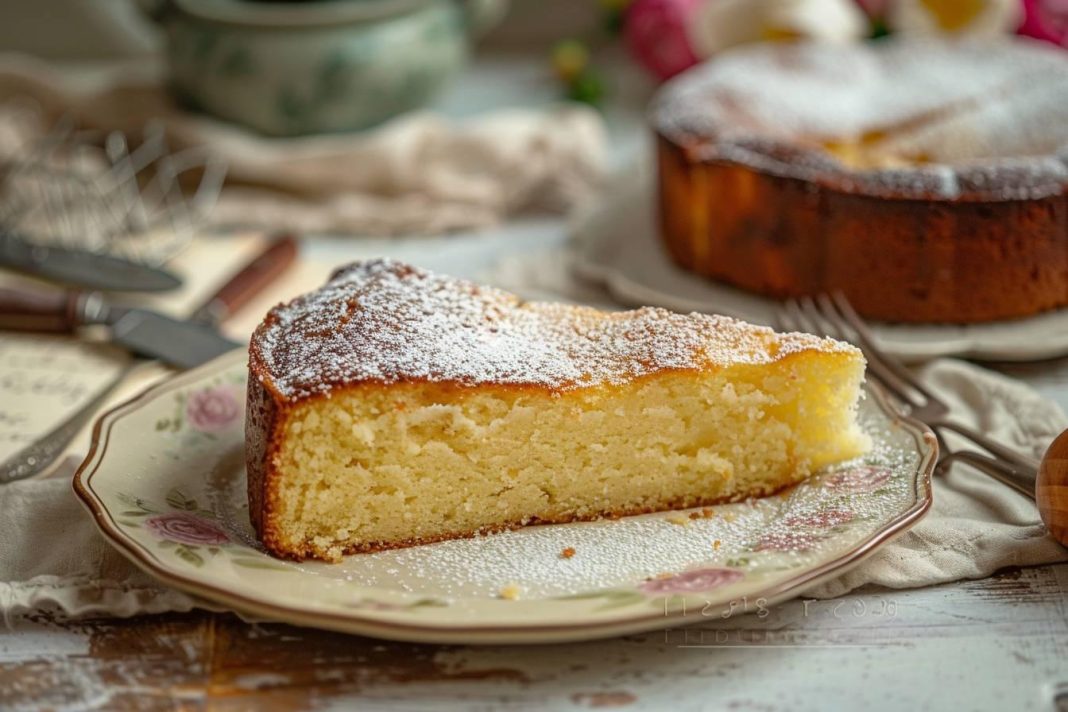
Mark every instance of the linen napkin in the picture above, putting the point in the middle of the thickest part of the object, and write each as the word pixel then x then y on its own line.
pixel 976 526
pixel 417 174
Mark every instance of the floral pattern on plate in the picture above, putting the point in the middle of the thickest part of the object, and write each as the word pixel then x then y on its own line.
pixel 166 484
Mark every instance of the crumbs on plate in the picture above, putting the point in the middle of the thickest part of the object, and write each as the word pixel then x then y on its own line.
pixel 509 592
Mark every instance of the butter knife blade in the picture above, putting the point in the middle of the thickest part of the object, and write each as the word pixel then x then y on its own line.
pixel 82 268
pixel 183 344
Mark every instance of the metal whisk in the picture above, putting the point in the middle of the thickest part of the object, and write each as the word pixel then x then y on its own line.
pixel 95 191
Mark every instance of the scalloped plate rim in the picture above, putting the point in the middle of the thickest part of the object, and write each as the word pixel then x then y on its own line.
pixel 368 623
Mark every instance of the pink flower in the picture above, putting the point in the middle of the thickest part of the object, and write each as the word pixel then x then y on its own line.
pixel 213 409
pixel 1046 20
pixel 787 541
pixel 859 479
pixel 874 8
pixel 694 581
pixel 655 31
pixel 718 25
pixel 186 528
pixel 826 518
pixel 976 18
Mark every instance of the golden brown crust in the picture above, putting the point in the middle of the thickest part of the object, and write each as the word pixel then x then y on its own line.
pixel 263 422
pixel 895 260
pixel 751 195
pixel 357 332
pixel 382 321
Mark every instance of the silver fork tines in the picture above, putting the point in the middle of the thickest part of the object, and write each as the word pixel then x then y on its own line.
pixel 832 315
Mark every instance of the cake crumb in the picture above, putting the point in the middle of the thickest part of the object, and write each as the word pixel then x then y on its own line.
pixel 716 544
pixel 567 553
pixel 679 520
pixel 510 592
pixel 705 513
pixel 730 516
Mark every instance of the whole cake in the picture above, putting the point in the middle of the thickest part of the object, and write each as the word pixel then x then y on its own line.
pixel 925 179
pixel 395 406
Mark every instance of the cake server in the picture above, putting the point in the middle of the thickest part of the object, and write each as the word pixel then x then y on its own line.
pixel 82 268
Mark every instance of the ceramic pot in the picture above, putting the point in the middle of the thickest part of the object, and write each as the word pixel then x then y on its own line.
pixel 294 68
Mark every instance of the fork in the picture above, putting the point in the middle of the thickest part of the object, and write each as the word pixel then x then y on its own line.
pixel 832 315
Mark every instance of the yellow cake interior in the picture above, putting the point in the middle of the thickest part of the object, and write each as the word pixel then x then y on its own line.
pixel 376 465
pixel 861 154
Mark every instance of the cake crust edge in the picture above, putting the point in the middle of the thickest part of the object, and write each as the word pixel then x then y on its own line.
pixel 898 260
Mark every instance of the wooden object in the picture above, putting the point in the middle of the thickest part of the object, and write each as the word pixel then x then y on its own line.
pixel 1051 489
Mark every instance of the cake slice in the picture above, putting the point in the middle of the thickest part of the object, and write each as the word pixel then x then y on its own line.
pixel 394 407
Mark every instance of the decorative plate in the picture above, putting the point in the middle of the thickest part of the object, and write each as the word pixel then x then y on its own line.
pixel 619 248
pixel 165 482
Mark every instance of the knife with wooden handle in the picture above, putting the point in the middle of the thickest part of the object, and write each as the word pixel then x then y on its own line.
pixel 64 312
pixel 183 344
pixel 248 282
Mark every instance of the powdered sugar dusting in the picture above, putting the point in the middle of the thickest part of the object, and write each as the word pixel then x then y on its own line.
pixel 990 119
pixel 384 321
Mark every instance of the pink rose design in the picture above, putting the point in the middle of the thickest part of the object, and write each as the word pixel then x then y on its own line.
pixel 1046 20
pixel 695 581
pixel 212 410
pixel 859 479
pixel 825 519
pixel 655 32
pixel 787 541
pixel 186 528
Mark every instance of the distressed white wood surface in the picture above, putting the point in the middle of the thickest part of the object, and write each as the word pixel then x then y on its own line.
pixel 997 644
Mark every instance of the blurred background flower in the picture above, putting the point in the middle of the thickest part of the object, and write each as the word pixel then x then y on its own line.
pixel 1046 20
pixel 669 36
pixel 954 17
pixel 722 24
pixel 656 31
pixel 874 8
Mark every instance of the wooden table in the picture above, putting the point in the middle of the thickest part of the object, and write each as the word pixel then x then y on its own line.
pixel 998 644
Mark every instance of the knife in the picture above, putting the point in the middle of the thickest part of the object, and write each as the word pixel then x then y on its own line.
pixel 184 344
pixel 140 331
pixel 82 268
pixel 241 287
pixel 248 281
